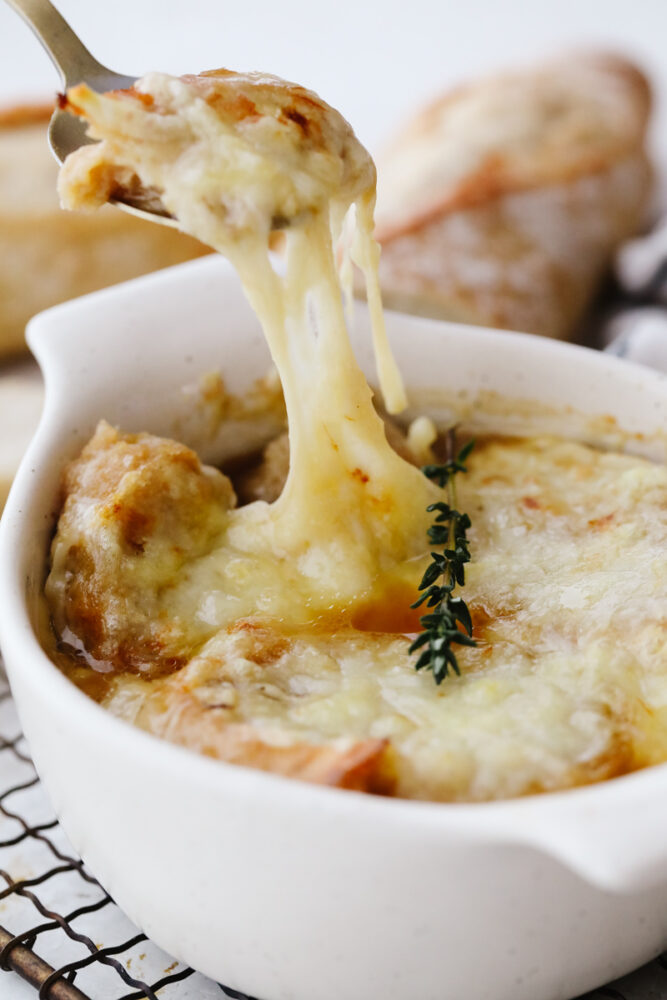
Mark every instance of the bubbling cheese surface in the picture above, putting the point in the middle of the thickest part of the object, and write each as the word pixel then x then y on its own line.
pixel 567 589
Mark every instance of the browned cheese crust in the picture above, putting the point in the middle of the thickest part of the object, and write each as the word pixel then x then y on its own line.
pixel 138 508
pixel 566 589
pixel 192 710
pixel 298 134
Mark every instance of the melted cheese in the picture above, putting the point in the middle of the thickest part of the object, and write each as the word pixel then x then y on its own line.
pixel 568 592
pixel 275 634
pixel 229 155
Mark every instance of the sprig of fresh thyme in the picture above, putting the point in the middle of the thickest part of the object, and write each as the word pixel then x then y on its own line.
pixel 449 622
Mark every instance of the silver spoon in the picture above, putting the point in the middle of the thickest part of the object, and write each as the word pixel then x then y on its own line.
pixel 75 64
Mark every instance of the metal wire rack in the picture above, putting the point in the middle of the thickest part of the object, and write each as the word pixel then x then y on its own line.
pixel 63 935
pixel 59 930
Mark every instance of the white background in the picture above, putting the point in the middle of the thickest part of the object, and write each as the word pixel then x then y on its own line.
pixel 370 59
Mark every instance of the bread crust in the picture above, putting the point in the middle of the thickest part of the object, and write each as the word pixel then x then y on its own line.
pixel 502 202
pixel 29 113
pixel 177 715
pixel 549 159
pixel 48 256
pixel 137 508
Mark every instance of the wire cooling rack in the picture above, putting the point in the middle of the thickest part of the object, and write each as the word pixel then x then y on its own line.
pixel 60 932
pixel 63 938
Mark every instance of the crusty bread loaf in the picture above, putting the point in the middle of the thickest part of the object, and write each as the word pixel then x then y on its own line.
pixel 501 203
pixel 48 255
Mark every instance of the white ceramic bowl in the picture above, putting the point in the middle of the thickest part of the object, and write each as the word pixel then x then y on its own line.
pixel 279 889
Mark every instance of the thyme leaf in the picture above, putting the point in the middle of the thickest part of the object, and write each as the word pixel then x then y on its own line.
pixel 448 620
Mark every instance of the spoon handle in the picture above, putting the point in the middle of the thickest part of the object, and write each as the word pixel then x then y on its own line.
pixel 68 53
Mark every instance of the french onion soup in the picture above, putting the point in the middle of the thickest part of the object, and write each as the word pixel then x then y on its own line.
pixel 363 606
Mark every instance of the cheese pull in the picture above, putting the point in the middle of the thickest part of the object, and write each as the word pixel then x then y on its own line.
pixel 231 156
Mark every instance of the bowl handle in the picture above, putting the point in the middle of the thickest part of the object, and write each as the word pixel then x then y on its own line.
pixel 614 835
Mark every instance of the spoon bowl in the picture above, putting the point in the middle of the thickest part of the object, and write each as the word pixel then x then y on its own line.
pixel 75 64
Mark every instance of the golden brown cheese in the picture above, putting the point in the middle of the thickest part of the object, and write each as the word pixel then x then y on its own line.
pixel 568 591
pixel 137 510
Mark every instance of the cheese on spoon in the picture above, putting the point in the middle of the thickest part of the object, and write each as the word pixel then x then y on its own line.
pixel 232 157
